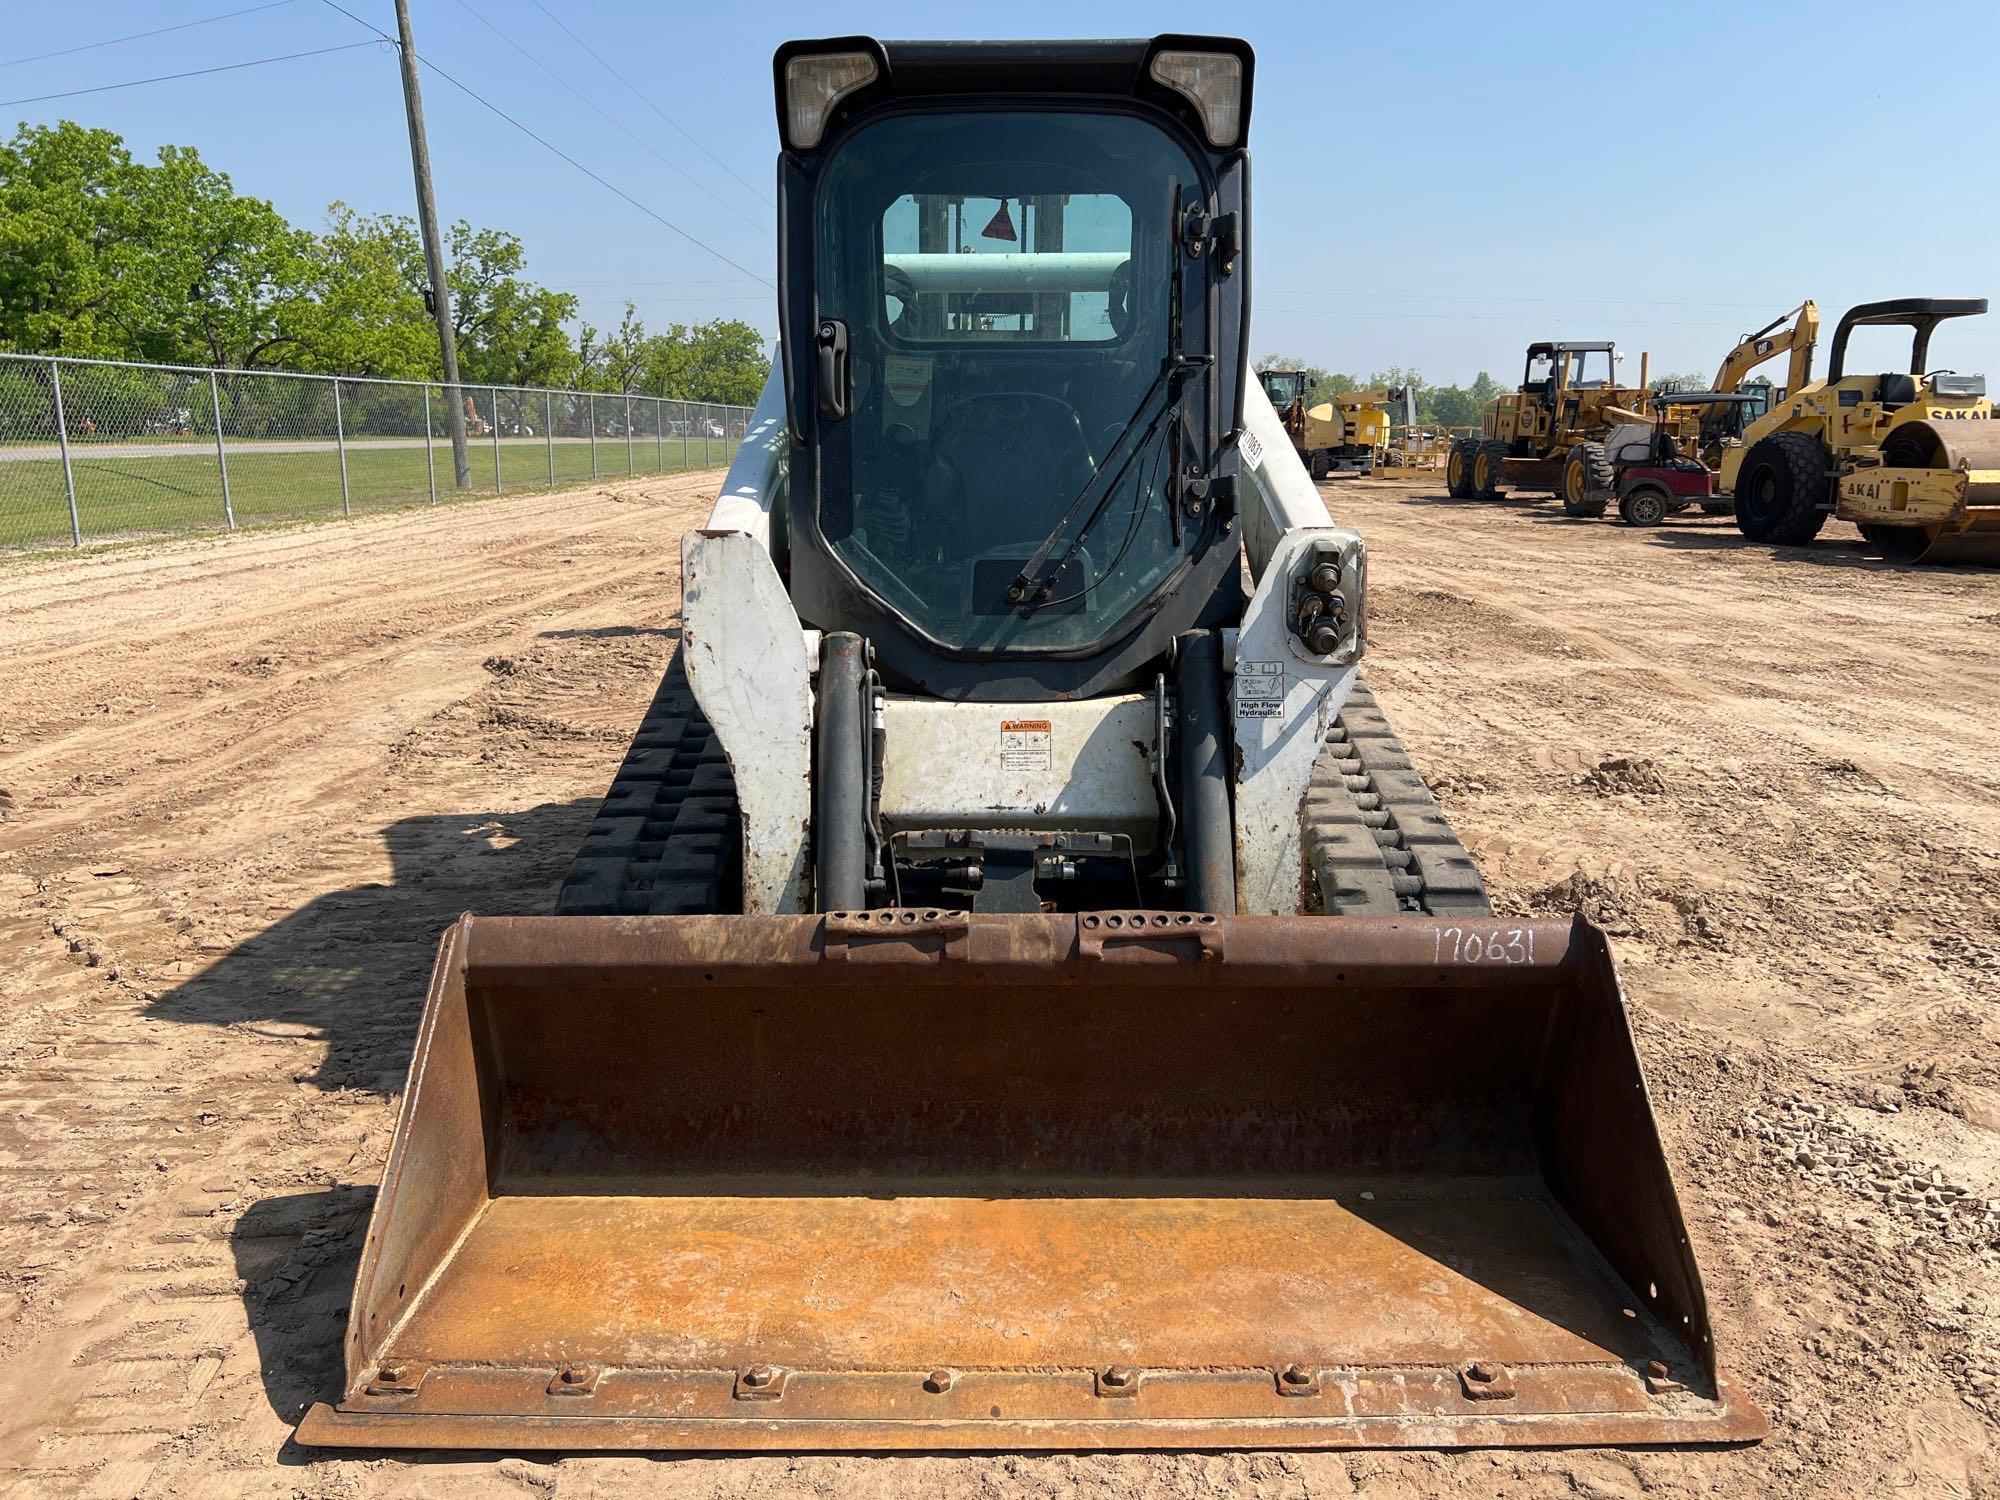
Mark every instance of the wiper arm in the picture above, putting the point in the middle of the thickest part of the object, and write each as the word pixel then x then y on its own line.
pixel 1037 579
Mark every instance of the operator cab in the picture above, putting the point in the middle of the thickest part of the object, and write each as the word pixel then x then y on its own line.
pixel 1569 366
pixel 1897 388
pixel 1014 364
pixel 1284 387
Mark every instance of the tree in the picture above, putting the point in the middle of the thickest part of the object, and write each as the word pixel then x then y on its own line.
pixel 65 225
pixel 1664 385
pixel 510 331
pixel 366 315
pixel 721 361
pixel 102 255
pixel 1325 384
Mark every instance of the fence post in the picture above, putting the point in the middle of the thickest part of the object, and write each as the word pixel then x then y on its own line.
pixel 494 392
pixel 629 471
pixel 659 435
pixel 549 432
pixel 62 436
pixel 685 422
pixel 593 434
pixel 221 458
pixel 340 442
pixel 430 453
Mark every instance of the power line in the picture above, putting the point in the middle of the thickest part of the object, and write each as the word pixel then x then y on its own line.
pixel 633 89
pixel 1481 317
pixel 556 150
pixel 228 15
pixel 592 105
pixel 1491 297
pixel 607 185
pixel 255 62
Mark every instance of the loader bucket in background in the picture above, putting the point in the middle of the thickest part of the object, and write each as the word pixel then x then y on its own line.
pixel 922 1180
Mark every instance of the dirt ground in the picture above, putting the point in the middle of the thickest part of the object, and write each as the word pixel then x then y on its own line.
pixel 244 782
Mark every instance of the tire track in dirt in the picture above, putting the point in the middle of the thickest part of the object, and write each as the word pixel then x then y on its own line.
pixel 176 1317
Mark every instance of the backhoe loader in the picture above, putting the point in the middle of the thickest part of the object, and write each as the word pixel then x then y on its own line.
pixel 1913 459
pixel 1018 993
pixel 1794 334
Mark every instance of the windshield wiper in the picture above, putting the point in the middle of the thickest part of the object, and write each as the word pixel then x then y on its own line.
pixel 1036 580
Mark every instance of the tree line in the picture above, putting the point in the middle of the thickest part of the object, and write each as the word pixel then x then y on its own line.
pixel 108 257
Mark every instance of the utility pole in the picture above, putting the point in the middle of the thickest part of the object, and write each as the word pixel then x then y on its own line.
pixel 440 298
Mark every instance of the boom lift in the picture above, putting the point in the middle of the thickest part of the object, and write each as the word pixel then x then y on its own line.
pixel 1018 993
pixel 1345 435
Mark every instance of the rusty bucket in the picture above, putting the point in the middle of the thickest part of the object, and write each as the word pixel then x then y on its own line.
pixel 923 1180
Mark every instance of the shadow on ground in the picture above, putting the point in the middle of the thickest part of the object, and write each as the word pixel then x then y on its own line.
pixel 351 966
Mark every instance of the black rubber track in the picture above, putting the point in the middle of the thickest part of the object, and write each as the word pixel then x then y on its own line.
pixel 666 839
pixel 1375 838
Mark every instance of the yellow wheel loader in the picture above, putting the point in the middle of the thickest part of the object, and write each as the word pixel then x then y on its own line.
pixel 1018 993
pixel 1911 458
pixel 1550 433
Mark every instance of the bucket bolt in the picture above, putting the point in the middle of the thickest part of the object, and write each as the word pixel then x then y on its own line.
pixel 1659 1378
pixel 1298 1380
pixel 939 1381
pixel 759 1376
pixel 1118 1380
pixel 1486 1381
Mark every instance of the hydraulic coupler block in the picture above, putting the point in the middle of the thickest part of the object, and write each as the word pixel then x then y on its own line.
pixel 1326 614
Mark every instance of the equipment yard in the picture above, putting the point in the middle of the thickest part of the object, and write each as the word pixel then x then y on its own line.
pixel 244 784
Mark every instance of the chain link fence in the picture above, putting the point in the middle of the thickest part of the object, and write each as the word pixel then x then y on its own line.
pixel 93 449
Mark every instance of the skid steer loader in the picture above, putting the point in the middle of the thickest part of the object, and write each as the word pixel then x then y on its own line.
pixel 1912 459
pixel 1018 994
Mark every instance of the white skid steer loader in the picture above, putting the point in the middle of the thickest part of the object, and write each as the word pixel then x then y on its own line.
pixel 1018 993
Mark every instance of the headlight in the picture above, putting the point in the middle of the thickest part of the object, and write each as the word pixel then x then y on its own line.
pixel 814 84
pixel 1214 81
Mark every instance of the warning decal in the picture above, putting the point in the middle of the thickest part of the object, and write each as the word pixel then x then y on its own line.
pixel 1025 744
pixel 1260 690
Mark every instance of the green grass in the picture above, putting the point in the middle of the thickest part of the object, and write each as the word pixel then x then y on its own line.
pixel 182 491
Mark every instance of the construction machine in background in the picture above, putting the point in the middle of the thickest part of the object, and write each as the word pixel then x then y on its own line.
pixel 1653 475
pixel 1418 451
pixel 1549 433
pixel 1347 434
pixel 1655 470
pixel 1794 334
pixel 1019 993
pixel 1912 458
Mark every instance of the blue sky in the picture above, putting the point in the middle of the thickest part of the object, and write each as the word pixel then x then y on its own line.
pixel 1436 185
